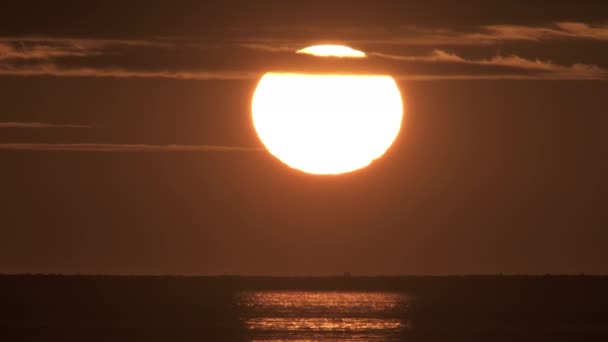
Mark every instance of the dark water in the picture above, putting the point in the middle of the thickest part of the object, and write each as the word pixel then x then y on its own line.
pixel 433 309
pixel 317 315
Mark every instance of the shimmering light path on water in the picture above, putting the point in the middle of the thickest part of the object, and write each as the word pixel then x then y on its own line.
pixel 308 315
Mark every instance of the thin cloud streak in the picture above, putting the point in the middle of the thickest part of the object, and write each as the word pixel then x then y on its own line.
pixel 43 52
pixel 483 35
pixel 46 48
pixel 578 71
pixel 559 30
pixel 84 42
pixel 14 124
pixel 496 77
pixel 493 34
pixel 124 148
pixel 269 48
pixel 57 71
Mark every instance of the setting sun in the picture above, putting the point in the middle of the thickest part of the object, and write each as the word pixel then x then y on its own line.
pixel 327 123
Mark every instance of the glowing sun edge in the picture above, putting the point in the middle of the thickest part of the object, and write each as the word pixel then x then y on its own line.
pixel 332 51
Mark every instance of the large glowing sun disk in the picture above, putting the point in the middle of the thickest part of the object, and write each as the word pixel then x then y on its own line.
pixel 327 124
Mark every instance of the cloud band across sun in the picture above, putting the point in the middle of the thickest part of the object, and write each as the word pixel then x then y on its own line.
pixel 83 57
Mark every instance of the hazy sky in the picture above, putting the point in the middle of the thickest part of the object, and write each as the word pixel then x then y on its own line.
pixel 126 144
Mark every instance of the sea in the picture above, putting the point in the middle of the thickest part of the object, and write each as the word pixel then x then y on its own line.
pixel 323 315
pixel 235 308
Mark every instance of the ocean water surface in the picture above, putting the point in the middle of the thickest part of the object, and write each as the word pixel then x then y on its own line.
pixel 323 315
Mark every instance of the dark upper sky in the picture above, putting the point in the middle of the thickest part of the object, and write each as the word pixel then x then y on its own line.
pixel 500 167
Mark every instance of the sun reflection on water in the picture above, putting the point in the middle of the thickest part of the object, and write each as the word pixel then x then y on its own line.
pixel 307 315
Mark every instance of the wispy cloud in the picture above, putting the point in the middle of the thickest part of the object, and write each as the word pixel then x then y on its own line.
pixel 46 48
pixel 269 47
pixel 578 71
pixel 43 56
pixel 125 148
pixel 550 71
pixel 89 42
pixel 494 77
pixel 559 30
pixel 11 51
pixel 15 124
pixel 412 35
pixel 59 71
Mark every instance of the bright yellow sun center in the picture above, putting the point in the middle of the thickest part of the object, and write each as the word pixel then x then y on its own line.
pixel 327 124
